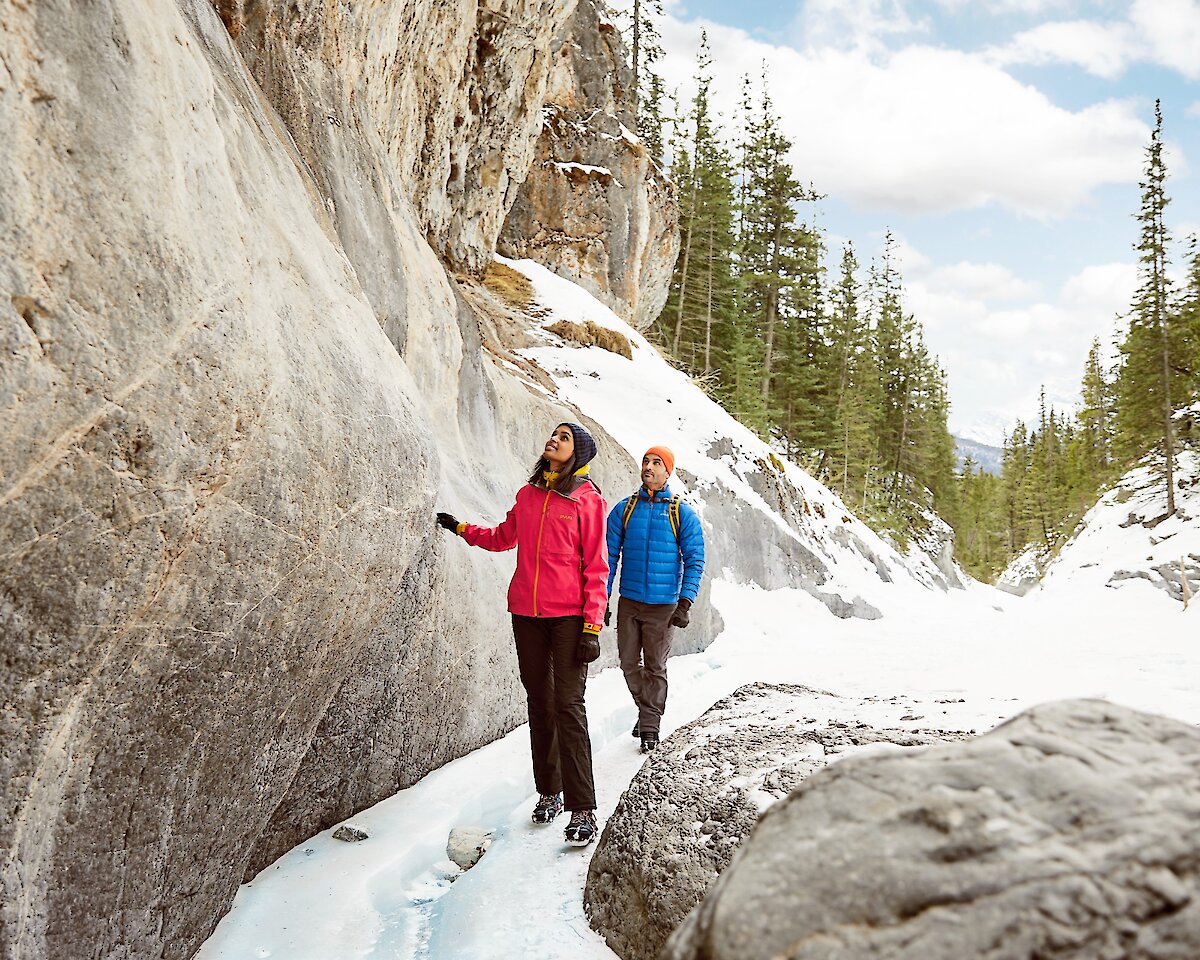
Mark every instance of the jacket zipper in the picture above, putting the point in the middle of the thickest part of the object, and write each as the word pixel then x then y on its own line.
pixel 537 557
pixel 650 507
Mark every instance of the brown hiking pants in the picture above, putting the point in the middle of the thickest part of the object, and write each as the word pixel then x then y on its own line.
pixel 554 680
pixel 643 644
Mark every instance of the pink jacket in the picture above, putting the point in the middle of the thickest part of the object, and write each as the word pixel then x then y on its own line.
pixel 562 560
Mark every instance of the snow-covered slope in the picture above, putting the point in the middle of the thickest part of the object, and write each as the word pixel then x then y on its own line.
pixel 767 521
pixel 1128 543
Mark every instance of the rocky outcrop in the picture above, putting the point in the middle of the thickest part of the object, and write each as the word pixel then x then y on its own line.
pixel 225 618
pixel 699 796
pixel 438 104
pixel 1069 831
pixel 595 208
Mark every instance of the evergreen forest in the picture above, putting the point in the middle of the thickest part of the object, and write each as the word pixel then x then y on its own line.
pixel 1138 404
pixel 814 350
pixel 825 363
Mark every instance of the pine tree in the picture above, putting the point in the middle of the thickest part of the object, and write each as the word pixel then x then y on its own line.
pixel 1188 359
pixel 698 323
pixel 775 250
pixel 1149 379
pixel 1096 415
pixel 651 119
pixel 646 46
pixel 853 384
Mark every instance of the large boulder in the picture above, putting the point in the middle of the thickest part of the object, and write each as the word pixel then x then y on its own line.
pixel 1067 832
pixel 595 208
pixel 698 796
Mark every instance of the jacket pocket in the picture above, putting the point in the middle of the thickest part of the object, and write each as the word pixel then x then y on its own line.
pixel 565 580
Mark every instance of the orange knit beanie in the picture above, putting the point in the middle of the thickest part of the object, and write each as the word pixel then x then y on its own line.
pixel 668 458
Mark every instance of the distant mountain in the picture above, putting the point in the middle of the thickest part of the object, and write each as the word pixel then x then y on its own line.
pixel 990 458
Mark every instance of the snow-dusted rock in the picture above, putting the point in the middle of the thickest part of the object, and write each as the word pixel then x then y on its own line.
pixel 1069 831
pixel 1127 541
pixel 466 845
pixel 594 208
pixel 700 794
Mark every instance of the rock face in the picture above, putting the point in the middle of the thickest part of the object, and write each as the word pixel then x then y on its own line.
pixel 699 796
pixel 226 620
pixel 438 102
pixel 594 208
pixel 1069 831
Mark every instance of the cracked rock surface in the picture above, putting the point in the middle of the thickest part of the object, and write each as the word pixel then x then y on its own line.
pixel 594 208
pixel 697 798
pixel 1068 832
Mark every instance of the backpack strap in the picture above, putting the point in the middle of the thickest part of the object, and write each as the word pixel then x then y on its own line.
pixel 672 515
pixel 630 506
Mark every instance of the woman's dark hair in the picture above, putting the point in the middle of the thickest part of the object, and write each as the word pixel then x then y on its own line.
pixel 566 483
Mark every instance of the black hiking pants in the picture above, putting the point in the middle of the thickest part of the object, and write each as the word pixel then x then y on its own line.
pixel 643 644
pixel 554 680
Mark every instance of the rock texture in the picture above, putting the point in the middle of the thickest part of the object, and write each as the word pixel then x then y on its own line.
pixel 466 845
pixel 1068 832
pixel 225 618
pixel 689 808
pixel 439 102
pixel 594 208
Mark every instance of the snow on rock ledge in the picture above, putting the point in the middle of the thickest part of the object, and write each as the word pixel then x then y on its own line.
pixel 1069 831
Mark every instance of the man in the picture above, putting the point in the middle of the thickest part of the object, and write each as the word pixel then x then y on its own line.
pixel 659 541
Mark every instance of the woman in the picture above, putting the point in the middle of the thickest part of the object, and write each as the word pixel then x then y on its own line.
pixel 556 599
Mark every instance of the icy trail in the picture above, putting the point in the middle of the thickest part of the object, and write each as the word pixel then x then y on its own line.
pixel 390 896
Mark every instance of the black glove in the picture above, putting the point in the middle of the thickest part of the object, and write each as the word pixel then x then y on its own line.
pixel 448 522
pixel 680 617
pixel 589 647
pixel 607 615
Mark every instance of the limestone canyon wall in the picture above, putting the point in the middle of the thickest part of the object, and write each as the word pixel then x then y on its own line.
pixel 237 379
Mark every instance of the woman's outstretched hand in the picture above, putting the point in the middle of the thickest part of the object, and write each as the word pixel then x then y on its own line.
pixel 447 522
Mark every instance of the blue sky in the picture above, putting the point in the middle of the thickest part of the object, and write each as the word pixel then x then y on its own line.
pixel 1000 140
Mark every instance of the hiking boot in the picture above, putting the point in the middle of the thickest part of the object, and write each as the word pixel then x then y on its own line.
pixel 649 742
pixel 582 829
pixel 637 728
pixel 548 807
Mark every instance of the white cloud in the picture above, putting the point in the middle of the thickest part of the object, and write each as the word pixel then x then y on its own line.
pixel 997 357
pixel 853 24
pixel 1103 49
pixel 982 281
pixel 922 130
pixel 1162 32
pixel 1170 30
pixel 995 7
pixel 1096 289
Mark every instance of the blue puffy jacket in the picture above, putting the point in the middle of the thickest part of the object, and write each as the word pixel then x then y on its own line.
pixel 655 568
